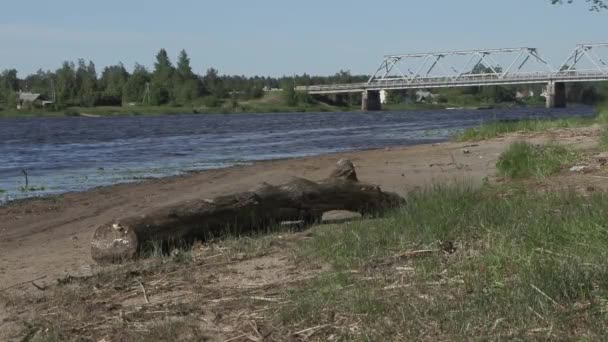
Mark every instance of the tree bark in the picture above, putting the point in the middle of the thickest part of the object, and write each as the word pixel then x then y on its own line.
pixel 267 205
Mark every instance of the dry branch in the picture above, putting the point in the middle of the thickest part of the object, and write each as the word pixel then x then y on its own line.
pixel 22 283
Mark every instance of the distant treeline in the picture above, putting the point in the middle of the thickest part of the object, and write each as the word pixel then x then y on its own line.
pixel 79 84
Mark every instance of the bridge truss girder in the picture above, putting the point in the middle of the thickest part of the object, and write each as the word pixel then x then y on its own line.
pixel 389 69
pixel 592 53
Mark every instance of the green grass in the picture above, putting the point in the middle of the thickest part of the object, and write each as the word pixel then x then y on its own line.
pixel 523 160
pixel 602 113
pixel 527 266
pixel 497 128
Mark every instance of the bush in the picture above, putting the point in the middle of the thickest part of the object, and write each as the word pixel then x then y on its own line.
pixel 522 160
pixel 107 100
pixel 212 101
pixel 602 113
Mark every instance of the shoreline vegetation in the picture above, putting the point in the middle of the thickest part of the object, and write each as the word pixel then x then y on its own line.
pixel 269 103
pixel 493 129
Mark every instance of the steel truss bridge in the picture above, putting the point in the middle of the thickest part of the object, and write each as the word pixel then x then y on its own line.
pixel 587 63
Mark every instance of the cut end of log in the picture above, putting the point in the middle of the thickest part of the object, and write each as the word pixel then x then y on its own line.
pixel 114 242
pixel 344 170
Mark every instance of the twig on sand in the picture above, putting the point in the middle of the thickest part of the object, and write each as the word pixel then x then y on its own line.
pixel 143 288
pixel 23 283
pixel 311 331
pixel 236 337
pixel 266 299
pixel 411 254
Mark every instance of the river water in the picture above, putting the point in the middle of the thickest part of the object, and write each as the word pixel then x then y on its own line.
pixel 79 153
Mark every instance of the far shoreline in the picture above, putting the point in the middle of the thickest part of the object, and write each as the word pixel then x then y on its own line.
pixel 145 111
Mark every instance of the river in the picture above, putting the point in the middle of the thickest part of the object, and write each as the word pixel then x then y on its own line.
pixel 78 153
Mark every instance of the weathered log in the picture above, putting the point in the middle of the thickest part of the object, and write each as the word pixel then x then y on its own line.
pixel 344 170
pixel 267 205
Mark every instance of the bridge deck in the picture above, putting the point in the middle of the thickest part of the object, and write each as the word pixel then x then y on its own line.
pixel 462 81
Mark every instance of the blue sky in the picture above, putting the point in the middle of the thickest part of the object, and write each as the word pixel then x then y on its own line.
pixel 282 37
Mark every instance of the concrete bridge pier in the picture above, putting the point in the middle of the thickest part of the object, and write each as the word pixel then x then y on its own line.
pixel 556 95
pixel 370 101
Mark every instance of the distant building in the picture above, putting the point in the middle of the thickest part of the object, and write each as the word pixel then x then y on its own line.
pixel 30 100
pixel 524 94
pixel 424 95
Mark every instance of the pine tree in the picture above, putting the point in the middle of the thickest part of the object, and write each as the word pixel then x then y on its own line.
pixel 66 83
pixel 186 84
pixel 184 71
pixel 86 83
pixel 161 87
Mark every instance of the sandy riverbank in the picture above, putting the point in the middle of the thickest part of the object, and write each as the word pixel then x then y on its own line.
pixel 50 237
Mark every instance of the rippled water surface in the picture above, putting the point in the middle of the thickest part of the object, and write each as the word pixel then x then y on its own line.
pixel 78 153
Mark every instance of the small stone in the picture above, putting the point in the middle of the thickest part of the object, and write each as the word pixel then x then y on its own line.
pixel 579 168
pixel 465 151
pixel 293 224
pixel 339 216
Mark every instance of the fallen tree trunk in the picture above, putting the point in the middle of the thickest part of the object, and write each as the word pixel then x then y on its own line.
pixel 268 205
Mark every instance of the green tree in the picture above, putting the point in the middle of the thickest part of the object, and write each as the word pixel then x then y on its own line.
pixel 135 87
pixel 214 84
pixel 65 83
pixel 595 5
pixel 8 84
pixel 184 70
pixel 10 81
pixel 40 83
pixel 161 87
pixel 86 83
pixel 290 95
pixel 396 96
pixel 112 83
pixel 11 99
pixel 186 84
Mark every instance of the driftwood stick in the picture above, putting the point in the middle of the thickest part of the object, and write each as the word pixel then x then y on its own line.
pixel 254 210
pixel 22 283
pixel 413 254
pixel 546 296
pixel 143 289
